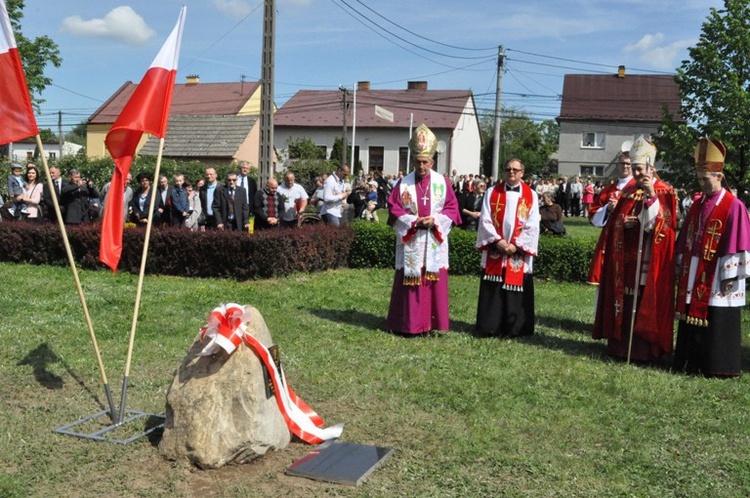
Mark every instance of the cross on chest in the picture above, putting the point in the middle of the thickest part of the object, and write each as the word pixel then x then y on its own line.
pixel 425 199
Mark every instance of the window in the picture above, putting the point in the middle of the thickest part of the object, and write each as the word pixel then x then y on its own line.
pixel 376 158
pixel 403 154
pixel 593 140
pixel 591 170
pixel 53 155
pixel 29 155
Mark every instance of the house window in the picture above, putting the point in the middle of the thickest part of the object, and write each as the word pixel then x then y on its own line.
pixel 593 140
pixel 591 170
pixel 375 159
pixel 403 158
pixel 53 155
pixel 29 155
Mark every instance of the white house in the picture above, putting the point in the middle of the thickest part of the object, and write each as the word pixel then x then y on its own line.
pixel 383 119
pixel 23 151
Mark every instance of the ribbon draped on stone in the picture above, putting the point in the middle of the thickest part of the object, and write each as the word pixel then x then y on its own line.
pixel 226 330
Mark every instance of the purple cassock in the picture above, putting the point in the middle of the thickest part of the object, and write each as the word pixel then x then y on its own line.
pixel 419 299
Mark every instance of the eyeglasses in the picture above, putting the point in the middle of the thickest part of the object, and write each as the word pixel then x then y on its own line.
pixel 513 170
pixel 232 180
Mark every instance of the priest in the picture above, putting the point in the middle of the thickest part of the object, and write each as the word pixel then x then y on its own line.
pixel 713 254
pixel 423 209
pixel 508 236
pixel 635 304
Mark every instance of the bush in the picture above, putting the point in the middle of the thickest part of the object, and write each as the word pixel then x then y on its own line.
pixel 179 252
pixel 564 258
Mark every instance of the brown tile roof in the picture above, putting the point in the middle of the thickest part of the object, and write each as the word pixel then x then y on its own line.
pixel 202 136
pixel 638 97
pixel 187 99
pixel 438 109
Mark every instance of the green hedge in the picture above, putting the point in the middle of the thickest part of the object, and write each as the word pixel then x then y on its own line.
pixel 560 258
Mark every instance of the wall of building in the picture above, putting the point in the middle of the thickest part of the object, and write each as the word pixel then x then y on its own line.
pixel 572 155
pixel 95 136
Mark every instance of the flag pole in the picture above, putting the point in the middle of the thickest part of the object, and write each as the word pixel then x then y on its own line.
pixel 141 273
pixel 69 252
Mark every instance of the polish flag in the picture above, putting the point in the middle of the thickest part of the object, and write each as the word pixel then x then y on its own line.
pixel 16 115
pixel 146 111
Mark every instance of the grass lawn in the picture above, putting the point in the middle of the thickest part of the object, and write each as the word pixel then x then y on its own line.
pixel 545 416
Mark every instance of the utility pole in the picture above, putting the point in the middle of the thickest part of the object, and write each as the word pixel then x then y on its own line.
pixel 498 108
pixel 265 165
pixel 59 132
pixel 344 92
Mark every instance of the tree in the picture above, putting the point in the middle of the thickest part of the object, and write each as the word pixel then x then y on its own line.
pixel 36 54
pixel 532 143
pixel 78 134
pixel 715 97
pixel 336 153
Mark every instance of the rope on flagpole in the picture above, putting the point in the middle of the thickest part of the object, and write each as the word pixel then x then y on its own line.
pixel 141 273
pixel 69 252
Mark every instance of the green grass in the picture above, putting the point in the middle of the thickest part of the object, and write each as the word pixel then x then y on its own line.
pixel 545 416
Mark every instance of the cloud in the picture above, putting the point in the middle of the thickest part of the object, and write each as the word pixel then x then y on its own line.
pixel 655 52
pixel 236 9
pixel 121 23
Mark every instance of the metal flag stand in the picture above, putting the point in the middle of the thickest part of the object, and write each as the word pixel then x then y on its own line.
pixel 152 424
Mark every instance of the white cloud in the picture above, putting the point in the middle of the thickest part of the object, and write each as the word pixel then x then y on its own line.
pixel 652 50
pixel 236 9
pixel 121 23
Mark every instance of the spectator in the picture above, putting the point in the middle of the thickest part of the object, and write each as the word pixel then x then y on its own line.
pixel 126 198
pixel 16 185
pixel 207 193
pixel 230 206
pixel 142 199
pixel 248 183
pixel 178 201
pixel 317 197
pixel 588 197
pixel 471 205
pixel 268 204
pixel 358 199
pixel 194 207
pixel 334 193
pixel 576 192
pixel 58 182
pixel 371 211
pixel 295 200
pixel 32 195
pixel 551 216
pixel 563 194
pixel 76 197
pixel 163 202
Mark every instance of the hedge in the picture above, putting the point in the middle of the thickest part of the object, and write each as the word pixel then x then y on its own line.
pixel 268 254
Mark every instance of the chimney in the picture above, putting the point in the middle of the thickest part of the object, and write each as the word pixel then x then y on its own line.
pixel 363 85
pixel 417 85
pixel 192 79
pixel 621 72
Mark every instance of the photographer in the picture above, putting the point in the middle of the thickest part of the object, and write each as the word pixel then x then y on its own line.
pixel 76 197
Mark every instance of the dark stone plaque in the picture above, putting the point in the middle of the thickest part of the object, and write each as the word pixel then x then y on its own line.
pixel 341 462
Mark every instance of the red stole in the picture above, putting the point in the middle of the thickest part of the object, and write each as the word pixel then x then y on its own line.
pixel 511 267
pixel 707 239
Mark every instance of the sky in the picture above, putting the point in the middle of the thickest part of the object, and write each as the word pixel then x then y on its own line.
pixel 322 44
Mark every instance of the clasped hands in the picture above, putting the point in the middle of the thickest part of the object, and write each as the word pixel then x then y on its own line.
pixel 426 222
pixel 506 247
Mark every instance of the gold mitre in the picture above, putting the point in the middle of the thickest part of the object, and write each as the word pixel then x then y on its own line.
pixel 709 155
pixel 423 142
pixel 643 151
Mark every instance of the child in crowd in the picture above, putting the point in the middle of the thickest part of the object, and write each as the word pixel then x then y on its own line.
pixel 370 212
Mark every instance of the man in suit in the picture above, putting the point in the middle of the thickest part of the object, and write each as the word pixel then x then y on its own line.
pixel 76 196
pixel 163 202
pixel 230 206
pixel 208 192
pixel 247 183
pixel 54 173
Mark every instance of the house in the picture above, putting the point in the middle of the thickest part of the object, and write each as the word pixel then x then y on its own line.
pixel 210 122
pixel 599 113
pixel 383 120
pixel 24 150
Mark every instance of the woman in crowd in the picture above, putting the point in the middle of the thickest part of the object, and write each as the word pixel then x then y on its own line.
pixel 32 194
pixel 194 207
pixel 141 200
pixel 471 205
pixel 588 196
pixel 552 216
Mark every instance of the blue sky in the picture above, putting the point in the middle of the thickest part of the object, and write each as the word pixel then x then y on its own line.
pixel 321 44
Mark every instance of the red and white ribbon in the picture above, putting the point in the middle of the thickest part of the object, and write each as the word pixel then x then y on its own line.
pixel 226 330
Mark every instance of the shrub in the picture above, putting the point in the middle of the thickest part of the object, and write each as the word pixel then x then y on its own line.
pixel 564 258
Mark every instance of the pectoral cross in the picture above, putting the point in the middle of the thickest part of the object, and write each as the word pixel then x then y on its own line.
pixel 425 199
pixel 709 250
pixel 617 308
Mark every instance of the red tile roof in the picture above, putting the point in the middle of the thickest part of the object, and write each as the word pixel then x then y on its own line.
pixel 438 109
pixel 187 99
pixel 638 97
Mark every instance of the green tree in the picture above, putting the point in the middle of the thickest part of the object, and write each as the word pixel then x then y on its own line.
pixel 78 134
pixel 715 98
pixel 336 153
pixel 533 143
pixel 36 54
pixel 304 148
pixel 307 161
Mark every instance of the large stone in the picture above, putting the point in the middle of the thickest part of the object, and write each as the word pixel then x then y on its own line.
pixel 217 409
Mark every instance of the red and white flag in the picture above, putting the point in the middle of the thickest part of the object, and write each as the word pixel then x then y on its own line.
pixel 146 111
pixel 16 115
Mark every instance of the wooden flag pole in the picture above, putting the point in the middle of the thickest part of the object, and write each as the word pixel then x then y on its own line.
pixel 69 252
pixel 141 273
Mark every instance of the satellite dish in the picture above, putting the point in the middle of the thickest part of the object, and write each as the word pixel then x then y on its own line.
pixel 441 147
pixel 626 145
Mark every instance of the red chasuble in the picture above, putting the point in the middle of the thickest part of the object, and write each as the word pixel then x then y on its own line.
pixel 655 317
pixel 597 260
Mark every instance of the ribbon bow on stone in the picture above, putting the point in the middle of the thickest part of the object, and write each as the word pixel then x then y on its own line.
pixel 225 329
